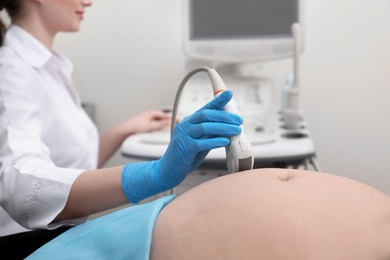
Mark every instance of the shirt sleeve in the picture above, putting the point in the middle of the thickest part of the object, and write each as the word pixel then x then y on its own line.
pixel 33 190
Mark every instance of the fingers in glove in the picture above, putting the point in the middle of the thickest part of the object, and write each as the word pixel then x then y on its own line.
pixel 211 143
pixel 219 102
pixel 209 115
pixel 209 130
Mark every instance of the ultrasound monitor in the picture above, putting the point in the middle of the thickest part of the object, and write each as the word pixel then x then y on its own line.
pixel 237 31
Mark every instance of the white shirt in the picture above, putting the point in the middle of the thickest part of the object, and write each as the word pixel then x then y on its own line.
pixel 46 139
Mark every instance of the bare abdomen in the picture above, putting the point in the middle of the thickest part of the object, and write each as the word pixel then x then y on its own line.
pixel 275 214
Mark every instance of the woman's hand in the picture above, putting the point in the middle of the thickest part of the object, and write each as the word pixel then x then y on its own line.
pixel 150 120
pixel 147 121
pixel 208 128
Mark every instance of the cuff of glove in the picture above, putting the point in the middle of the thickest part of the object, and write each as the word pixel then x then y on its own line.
pixel 138 181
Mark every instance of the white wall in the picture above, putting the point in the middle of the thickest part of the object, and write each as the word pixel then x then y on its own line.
pixel 128 58
pixel 347 87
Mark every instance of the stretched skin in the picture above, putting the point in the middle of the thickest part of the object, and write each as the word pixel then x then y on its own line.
pixel 275 214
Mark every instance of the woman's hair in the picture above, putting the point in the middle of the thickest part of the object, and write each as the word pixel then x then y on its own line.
pixel 13 8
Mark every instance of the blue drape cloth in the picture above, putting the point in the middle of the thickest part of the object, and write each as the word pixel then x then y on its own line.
pixel 124 234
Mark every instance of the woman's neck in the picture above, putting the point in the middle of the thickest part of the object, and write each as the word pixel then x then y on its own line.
pixel 38 30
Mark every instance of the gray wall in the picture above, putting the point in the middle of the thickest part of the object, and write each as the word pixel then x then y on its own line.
pixel 129 52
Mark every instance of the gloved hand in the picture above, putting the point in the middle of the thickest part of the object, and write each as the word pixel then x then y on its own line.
pixel 192 139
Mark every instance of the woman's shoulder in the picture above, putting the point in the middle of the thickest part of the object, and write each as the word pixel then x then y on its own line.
pixel 9 59
pixel 13 67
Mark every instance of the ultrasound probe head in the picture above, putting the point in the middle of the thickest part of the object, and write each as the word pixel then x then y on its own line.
pixel 239 154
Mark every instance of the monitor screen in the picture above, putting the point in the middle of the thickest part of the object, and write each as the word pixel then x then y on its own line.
pixel 239 30
pixel 224 19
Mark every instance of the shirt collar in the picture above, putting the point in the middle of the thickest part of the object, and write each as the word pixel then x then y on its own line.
pixel 31 50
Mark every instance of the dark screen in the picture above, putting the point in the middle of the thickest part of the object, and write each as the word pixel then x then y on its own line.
pixel 242 18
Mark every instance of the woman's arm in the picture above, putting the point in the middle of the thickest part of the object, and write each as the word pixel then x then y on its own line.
pixel 94 191
pixel 98 190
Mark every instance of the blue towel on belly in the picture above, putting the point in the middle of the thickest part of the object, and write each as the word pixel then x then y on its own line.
pixel 124 234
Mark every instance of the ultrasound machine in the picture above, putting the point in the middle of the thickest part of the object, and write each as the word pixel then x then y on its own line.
pixel 234 37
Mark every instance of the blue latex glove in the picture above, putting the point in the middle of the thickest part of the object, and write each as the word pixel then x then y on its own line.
pixel 192 139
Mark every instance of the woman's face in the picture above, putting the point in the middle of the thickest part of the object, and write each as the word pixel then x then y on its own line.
pixel 63 15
